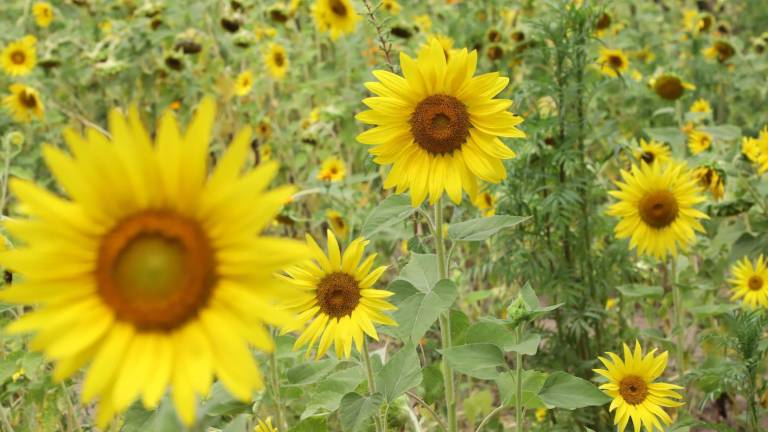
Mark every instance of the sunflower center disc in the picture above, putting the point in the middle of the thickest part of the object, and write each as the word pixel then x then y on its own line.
pixel 440 124
pixel 18 57
pixel 633 389
pixel 615 61
pixel 669 87
pixel 156 270
pixel 755 283
pixel 338 294
pixel 658 209
pixel 648 157
pixel 338 8
pixel 279 60
pixel 28 99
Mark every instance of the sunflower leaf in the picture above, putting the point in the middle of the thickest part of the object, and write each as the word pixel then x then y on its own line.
pixel 479 360
pixel 401 373
pixel 563 390
pixel 356 410
pixel 483 228
pixel 416 313
pixel 392 210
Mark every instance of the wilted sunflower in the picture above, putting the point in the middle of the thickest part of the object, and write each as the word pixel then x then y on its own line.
pixel 43 12
pixel 699 141
pixel 486 203
pixel 750 282
pixel 720 50
pixel 339 304
pixel 332 169
pixel 701 106
pixel 244 83
pixel 652 152
pixel 339 226
pixel 635 394
pixel 613 62
pixel 277 61
pixel 712 180
pixel 656 208
pixel 19 57
pixel 335 16
pixel 438 126
pixel 670 87
pixel 24 103
pixel 153 272
pixel 265 426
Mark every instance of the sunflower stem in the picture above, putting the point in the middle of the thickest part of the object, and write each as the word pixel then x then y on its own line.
pixel 678 308
pixel 371 382
pixel 276 389
pixel 519 426
pixel 445 320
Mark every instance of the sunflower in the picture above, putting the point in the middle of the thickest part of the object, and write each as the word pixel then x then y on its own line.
pixel 277 61
pixel 698 141
pixel 701 106
pixel 152 272
pixel 391 6
pixel 423 23
pixel 670 87
pixel 339 304
pixel 762 153
pixel 750 282
pixel 43 12
pixel 244 83
pixel 24 103
pixel 265 153
pixel 486 203
pixel 335 16
pixel 750 147
pixel 712 180
pixel 656 208
pixel 635 394
pixel 20 56
pixel 446 42
pixel 336 220
pixel 613 62
pixel 333 169
pixel 652 152
pixel 720 50
pixel 438 126
pixel 265 426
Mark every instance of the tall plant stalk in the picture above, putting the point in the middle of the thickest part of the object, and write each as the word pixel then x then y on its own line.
pixel 371 383
pixel 445 320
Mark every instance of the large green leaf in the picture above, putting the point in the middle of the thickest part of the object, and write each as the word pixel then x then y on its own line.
pixel 389 212
pixel 416 314
pixel 421 272
pixel 533 381
pixel 356 410
pixel 563 390
pixel 310 372
pixel 499 335
pixel 479 360
pixel 401 373
pixel 483 228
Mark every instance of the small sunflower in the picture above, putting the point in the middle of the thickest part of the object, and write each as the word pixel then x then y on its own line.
pixel 750 147
pixel 712 180
pixel 19 57
pixel 333 169
pixel 265 426
pixel 750 282
pixel 652 152
pixel 720 50
pixel 635 395
pixel 486 203
pixel 391 6
pixel 438 126
pixel 335 16
pixel 24 103
pixel 446 43
pixel 699 141
pixel 43 12
pixel 762 154
pixel 670 87
pixel 338 224
pixel 656 208
pixel 701 106
pixel 613 62
pixel 339 304
pixel 423 23
pixel 265 153
pixel 277 61
pixel 244 83
pixel 153 272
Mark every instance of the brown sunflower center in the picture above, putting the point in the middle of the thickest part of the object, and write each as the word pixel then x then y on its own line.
pixel 658 209
pixel 755 283
pixel 488 199
pixel 156 270
pixel 615 62
pixel 633 389
pixel 28 99
pixel 279 59
pixel 338 294
pixel 18 57
pixel 648 157
pixel 338 8
pixel 669 87
pixel 440 124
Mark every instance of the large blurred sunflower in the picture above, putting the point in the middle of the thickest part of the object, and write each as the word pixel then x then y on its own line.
pixel 438 126
pixel 276 61
pixel 335 16
pixel 750 282
pixel 24 103
pixel 19 57
pixel 152 272
pixel 339 304
pixel 656 208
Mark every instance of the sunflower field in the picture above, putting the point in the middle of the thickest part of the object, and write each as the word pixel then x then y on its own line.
pixel 383 215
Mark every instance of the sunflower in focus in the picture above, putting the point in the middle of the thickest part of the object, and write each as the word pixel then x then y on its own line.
pixel 635 395
pixel 656 208
pixel 699 141
pixel 277 61
pixel 750 282
pixel 24 103
pixel 669 86
pixel 43 12
pixel 19 57
pixel 613 62
pixel 438 126
pixel 486 203
pixel 712 180
pixel 652 152
pixel 336 17
pixel 265 426
pixel 339 305
pixel 337 222
pixel 332 169
pixel 701 106
pixel 244 83
pixel 152 271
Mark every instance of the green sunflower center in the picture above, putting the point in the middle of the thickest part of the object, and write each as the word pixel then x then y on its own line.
pixel 18 57
pixel 156 270
pixel 440 124
pixel 338 8
pixel 755 283
pixel 648 157
pixel 28 99
pixel 338 294
pixel 658 209
pixel 633 389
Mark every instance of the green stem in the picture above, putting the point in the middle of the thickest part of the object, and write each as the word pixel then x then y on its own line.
pixel 445 321
pixel 371 382
pixel 276 390
pixel 519 426
pixel 678 307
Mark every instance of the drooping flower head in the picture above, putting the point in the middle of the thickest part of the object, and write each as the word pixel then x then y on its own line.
pixel 750 282
pixel 711 179
pixel 24 103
